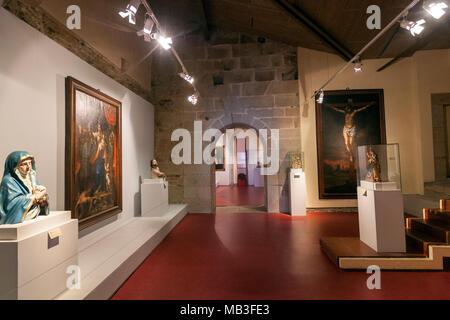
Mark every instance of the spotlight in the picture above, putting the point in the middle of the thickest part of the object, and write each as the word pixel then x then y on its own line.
pixel 147 30
pixel 165 42
pixel 194 98
pixel 357 65
pixel 414 27
pixel 187 77
pixel 320 98
pixel 131 10
pixel 435 8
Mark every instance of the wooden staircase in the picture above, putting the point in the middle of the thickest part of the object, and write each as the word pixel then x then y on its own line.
pixel 432 229
pixel 427 241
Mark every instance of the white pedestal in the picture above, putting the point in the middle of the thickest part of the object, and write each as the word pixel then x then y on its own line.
pixel 380 186
pixel 33 266
pixel 154 197
pixel 297 192
pixel 381 220
pixel 258 179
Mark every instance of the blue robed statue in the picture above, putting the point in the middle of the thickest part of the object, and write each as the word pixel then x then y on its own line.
pixel 21 196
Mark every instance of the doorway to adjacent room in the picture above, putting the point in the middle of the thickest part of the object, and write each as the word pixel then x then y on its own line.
pixel 239 183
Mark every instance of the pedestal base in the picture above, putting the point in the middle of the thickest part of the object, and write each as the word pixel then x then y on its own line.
pixel 35 256
pixel 154 198
pixel 381 220
pixel 297 192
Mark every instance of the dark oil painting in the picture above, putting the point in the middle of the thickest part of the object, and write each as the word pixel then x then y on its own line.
pixel 93 154
pixel 345 120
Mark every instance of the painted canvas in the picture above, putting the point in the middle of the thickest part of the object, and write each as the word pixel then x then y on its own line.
pixel 346 119
pixel 93 154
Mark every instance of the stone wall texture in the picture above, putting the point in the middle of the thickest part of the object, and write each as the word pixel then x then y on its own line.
pixel 243 80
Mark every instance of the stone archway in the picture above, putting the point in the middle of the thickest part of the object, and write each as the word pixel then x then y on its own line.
pixel 244 126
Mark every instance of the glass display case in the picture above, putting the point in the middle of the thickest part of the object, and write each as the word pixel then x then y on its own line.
pixel 379 167
pixel 296 160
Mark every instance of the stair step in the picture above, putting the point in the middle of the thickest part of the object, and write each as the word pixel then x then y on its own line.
pixel 420 241
pixel 433 228
pixel 443 217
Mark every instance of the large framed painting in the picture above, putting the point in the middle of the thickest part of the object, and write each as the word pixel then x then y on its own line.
pixel 346 119
pixel 93 187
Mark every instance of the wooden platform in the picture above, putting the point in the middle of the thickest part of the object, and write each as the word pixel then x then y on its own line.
pixel 427 245
pixel 352 254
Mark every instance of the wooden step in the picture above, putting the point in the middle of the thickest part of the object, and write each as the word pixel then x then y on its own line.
pixel 437 214
pixel 437 229
pixel 420 240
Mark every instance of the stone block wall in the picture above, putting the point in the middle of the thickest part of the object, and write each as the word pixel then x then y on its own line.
pixel 243 80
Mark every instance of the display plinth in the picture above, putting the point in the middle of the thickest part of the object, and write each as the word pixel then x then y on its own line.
pixel 35 256
pixel 154 197
pixel 381 220
pixel 379 186
pixel 297 192
pixel 258 178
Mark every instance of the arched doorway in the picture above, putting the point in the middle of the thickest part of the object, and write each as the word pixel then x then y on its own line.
pixel 239 184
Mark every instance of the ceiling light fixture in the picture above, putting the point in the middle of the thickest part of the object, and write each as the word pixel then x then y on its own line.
pixel 415 28
pixel 193 98
pixel 357 65
pixel 186 77
pixel 131 10
pixel 320 97
pixel 147 30
pixel 165 42
pixel 435 8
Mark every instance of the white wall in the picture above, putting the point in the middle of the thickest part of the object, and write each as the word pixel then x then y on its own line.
pixel 223 178
pixel 32 110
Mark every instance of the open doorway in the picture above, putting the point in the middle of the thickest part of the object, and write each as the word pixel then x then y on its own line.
pixel 239 183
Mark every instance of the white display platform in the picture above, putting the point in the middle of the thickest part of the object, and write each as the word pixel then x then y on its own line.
pixel 381 220
pixel 154 197
pixel 297 192
pixel 258 178
pixel 107 258
pixel 35 256
pixel 379 185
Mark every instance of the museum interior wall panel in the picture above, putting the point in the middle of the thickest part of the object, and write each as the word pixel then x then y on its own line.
pixel 405 93
pixel 32 99
pixel 432 77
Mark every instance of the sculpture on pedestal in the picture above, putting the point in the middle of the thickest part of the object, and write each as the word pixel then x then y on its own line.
pixel 21 196
pixel 156 173
pixel 373 165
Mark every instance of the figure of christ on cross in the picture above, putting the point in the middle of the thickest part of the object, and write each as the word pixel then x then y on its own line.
pixel 349 130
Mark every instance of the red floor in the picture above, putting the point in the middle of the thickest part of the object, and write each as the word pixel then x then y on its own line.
pixel 265 256
pixel 239 196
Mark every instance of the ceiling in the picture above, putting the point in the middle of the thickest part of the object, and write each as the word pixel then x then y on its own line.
pixel 343 21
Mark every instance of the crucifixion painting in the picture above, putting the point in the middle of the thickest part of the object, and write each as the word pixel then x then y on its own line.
pixel 345 120
pixel 349 131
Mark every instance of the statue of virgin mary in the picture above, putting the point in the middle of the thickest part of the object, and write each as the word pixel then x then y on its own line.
pixel 21 196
